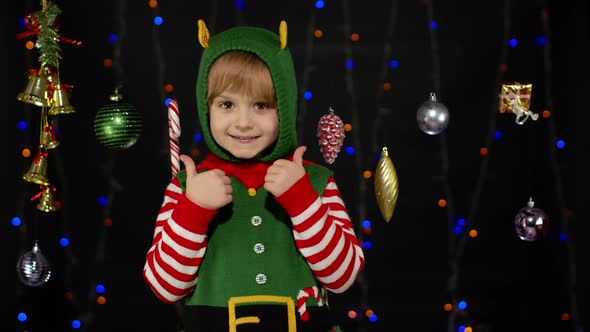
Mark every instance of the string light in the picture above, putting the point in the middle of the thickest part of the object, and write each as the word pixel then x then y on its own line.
pixel 362 184
pixel 457 248
pixel 564 212
pixel 556 146
pixel 306 70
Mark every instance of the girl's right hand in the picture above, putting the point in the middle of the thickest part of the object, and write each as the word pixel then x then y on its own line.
pixel 210 190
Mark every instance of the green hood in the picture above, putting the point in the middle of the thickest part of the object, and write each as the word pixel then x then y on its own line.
pixel 266 45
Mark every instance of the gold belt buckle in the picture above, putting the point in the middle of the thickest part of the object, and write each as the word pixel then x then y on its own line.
pixel 233 301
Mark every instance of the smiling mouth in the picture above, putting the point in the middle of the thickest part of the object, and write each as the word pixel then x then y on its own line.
pixel 244 139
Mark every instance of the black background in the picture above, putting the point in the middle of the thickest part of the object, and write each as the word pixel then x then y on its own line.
pixel 509 284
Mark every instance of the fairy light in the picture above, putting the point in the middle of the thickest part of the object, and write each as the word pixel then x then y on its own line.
pixel 454 231
pixel 352 314
pixel 87 314
pixel 492 135
pixel 355 123
pixel 362 186
pixel 349 150
pixel 564 212
pixel 306 69
pixel 556 146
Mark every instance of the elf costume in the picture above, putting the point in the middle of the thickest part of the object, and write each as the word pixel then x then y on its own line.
pixel 260 263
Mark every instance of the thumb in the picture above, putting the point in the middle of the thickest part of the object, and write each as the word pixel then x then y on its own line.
pixel 189 164
pixel 298 155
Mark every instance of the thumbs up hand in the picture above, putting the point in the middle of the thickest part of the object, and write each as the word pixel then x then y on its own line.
pixel 211 190
pixel 283 173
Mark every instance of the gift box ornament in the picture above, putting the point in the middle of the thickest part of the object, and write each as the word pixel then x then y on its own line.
pixel 516 98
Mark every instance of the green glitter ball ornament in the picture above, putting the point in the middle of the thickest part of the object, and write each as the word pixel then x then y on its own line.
pixel 117 125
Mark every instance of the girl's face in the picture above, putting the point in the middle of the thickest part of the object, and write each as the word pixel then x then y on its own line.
pixel 243 125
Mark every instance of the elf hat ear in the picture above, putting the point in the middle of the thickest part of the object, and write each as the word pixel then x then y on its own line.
pixel 283 34
pixel 203 34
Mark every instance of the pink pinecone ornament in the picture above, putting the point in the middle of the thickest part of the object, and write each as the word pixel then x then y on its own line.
pixel 330 135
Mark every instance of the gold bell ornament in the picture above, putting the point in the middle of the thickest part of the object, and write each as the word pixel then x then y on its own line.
pixel 46 201
pixel 35 91
pixel 386 185
pixel 60 101
pixel 47 138
pixel 37 172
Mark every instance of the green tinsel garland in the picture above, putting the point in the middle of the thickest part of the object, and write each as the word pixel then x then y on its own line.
pixel 47 40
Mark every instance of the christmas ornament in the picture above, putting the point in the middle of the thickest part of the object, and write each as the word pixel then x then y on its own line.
pixel 432 116
pixel 516 98
pixel 118 125
pixel 48 139
pixel 531 223
pixel 46 201
pixel 33 268
pixel 60 102
pixel 35 91
pixel 330 135
pixel 37 172
pixel 386 185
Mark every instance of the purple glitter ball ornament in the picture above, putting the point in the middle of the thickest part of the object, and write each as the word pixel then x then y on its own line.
pixel 531 223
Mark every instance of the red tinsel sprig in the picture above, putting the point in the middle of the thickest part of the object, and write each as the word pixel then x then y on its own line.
pixel 33 29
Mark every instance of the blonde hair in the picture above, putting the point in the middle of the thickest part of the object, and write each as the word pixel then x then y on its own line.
pixel 240 72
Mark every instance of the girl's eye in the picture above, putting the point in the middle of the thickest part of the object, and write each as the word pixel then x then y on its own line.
pixel 225 105
pixel 260 106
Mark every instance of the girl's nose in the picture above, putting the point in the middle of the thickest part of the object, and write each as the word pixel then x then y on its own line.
pixel 244 120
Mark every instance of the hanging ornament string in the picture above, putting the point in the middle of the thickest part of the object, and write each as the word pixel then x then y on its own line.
pixel 174 134
pixel 362 188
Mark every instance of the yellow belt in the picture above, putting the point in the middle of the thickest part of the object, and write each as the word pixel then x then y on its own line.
pixel 233 301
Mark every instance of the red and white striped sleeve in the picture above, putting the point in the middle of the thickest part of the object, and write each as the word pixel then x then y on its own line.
pixel 324 233
pixel 178 245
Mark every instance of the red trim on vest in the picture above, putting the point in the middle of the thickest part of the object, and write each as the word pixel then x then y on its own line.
pixel 250 174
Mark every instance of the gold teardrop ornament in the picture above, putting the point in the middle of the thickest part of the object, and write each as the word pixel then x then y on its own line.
pixel 386 185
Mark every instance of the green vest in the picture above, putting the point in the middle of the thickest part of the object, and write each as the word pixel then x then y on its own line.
pixel 251 249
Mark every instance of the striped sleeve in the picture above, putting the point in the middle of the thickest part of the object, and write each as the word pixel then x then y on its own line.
pixel 324 233
pixel 178 245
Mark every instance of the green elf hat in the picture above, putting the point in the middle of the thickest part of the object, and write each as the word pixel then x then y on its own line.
pixel 271 49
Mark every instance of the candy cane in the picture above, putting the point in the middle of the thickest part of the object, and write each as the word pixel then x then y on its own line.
pixel 302 297
pixel 174 134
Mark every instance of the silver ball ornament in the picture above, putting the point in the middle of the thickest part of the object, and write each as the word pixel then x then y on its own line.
pixel 432 116
pixel 33 268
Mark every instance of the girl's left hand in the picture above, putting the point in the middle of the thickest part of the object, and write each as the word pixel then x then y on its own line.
pixel 283 173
